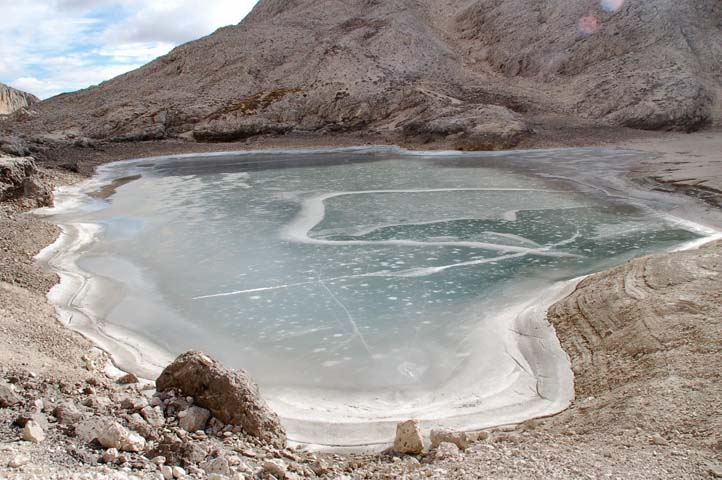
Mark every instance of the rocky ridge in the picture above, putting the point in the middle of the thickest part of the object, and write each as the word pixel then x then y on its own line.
pixel 477 75
pixel 12 100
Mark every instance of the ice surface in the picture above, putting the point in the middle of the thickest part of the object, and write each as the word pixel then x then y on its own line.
pixel 355 286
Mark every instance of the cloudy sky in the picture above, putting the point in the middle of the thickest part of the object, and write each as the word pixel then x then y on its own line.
pixel 53 46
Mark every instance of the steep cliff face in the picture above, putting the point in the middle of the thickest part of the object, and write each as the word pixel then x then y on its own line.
pixel 473 72
pixel 12 100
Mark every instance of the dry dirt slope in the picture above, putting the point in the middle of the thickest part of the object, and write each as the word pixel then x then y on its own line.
pixel 477 72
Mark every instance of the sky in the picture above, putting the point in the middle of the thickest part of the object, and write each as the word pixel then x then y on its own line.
pixel 49 47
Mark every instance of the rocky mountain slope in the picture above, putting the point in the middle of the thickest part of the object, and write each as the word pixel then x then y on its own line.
pixel 476 72
pixel 12 100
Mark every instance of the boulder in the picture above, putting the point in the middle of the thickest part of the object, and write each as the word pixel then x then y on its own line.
pixel 8 397
pixel 32 432
pixel 408 438
pixel 438 436
pixel 229 395
pixel 14 146
pixel 110 434
pixel 18 179
pixel 194 419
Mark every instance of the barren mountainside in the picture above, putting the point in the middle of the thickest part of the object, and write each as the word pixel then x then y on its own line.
pixel 12 100
pixel 478 73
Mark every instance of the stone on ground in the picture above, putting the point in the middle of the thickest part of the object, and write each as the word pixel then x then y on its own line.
pixel 32 432
pixel 438 436
pixel 408 438
pixel 229 395
pixel 8 397
pixel 446 450
pixel 194 419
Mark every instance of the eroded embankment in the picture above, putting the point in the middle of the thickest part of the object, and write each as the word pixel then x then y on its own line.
pixel 646 334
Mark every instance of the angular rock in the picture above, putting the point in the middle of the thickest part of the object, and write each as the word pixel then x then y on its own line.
pixel 110 455
pixel 438 436
pixel 128 379
pixel 194 419
pixel 18 178
pixel 32 432
pixel 446 450
pixel 229 395
pixel 67 414
pixel 8 397
pixel 276 468
pixel 110 434
pixel 113 436
pixel 154 416
pixel 408 438
pixel 36 417
pixel 216 465
pixel 138 424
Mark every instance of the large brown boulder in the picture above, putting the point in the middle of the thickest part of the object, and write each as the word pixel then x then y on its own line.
pixel 230 395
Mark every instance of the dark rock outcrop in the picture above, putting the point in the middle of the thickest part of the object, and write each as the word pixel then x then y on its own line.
pixel 230 395
pixel 19 179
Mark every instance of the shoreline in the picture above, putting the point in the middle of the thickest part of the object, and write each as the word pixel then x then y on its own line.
pixel 125 347
pixel 346 431
pixel 604 414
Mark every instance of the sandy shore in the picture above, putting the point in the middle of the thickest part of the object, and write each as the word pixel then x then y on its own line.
pixel 641 338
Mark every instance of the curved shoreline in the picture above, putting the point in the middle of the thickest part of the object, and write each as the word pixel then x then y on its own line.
pixel 530 316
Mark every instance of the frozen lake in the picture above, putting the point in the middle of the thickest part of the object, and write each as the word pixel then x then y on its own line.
pixel 354 286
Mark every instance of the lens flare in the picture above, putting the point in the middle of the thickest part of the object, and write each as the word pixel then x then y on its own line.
pixel 611 5
pixel 588 25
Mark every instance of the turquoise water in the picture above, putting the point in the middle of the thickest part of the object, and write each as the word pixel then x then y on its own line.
pixel 356 271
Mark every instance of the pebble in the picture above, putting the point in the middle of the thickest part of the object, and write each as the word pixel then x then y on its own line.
pixel 18 461
pixel 167 472
pixel 275 467
pixel 110 455
pixel 178 472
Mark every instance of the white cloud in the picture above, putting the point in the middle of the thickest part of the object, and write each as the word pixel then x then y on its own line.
pixel 53 46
